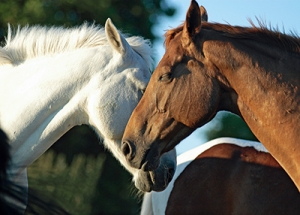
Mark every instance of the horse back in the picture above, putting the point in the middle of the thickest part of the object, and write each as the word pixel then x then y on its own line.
pixel 229 179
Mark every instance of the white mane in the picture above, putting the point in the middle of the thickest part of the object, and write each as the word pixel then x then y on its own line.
pixel 30 42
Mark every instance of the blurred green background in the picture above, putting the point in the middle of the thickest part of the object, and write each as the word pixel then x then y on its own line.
pixel 77 172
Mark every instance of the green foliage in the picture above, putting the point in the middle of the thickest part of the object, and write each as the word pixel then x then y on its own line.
pixel 116 188
pixel 135 17
pixel 226 124
pixel 71 185
pixel 83 177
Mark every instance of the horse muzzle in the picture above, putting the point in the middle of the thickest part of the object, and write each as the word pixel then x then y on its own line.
pixel 146 160
pixel 158 179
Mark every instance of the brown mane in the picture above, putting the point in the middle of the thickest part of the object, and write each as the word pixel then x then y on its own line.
pixel 261 33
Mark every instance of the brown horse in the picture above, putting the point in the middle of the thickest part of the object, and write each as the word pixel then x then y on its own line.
pixel 208 67
pixel 226 176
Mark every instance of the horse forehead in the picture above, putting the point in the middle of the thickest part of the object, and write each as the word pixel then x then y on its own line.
pixel 136 61
pixel 173 55
pixel 137 75
pixel 133 67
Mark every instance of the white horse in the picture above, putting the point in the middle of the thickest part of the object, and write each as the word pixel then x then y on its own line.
pixel 52 79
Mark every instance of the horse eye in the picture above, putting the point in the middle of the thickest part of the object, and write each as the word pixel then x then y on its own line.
pixel 166 77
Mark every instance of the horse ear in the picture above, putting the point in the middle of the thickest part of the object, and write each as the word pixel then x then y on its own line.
pixel 204 15
pixel 117 41
pixel 192 23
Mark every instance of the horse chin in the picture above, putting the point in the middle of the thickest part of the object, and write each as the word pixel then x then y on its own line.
pixel 158 179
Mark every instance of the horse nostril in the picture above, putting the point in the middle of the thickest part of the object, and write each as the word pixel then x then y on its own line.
pixel 128 150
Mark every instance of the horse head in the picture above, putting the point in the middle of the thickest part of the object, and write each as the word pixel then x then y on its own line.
pixel 172 106
pixel 118 97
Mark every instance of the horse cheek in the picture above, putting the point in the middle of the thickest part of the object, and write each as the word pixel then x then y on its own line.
pixel 205 104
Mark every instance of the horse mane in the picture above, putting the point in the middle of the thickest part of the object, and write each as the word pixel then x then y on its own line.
pixel 261 33
pixel 34 41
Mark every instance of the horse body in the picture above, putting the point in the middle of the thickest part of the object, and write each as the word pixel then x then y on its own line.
pixel 209 67
pixel 53 79
pixel 226 176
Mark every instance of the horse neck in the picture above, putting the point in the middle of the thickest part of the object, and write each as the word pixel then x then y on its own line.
pixel 264 90
pixel 49 112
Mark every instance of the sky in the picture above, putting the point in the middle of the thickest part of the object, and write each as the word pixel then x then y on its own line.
pixel 282 14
